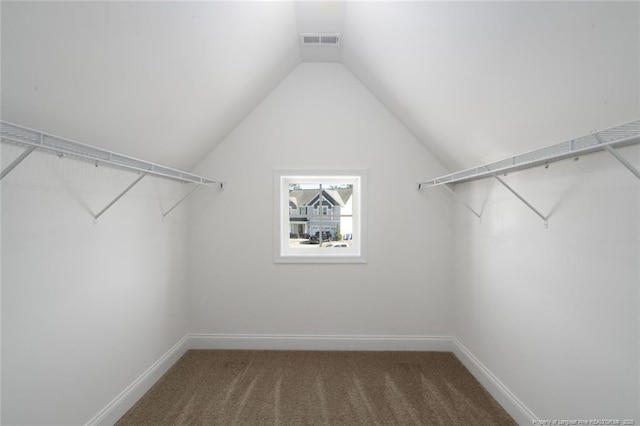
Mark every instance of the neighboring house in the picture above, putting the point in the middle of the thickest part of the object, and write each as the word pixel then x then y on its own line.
pixel 311 211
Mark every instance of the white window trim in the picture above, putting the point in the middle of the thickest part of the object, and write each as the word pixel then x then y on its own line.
pixel 282 253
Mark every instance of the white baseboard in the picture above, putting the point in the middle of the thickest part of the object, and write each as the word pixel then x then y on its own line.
pixel 128 397
pixel 512 405
pixel 320 342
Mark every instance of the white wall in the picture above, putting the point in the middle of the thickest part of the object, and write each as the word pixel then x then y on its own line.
pixel 553 313
pixel 86 308
pixel 404 289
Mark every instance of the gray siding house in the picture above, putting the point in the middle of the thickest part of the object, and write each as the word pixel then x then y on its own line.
pixel 315 210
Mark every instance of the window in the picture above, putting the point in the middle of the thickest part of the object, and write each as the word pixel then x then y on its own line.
pixel 319 217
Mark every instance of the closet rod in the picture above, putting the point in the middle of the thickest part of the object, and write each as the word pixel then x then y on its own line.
pixel 35 139
pixel 625 134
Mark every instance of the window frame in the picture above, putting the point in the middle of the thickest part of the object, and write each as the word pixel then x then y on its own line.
pixel 283 253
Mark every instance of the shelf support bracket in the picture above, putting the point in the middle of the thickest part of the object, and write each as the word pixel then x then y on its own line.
pixel 622 160
pixel 17 161
pixel 457 197
pixel 108 206
pixel 165 214
pixel 526 203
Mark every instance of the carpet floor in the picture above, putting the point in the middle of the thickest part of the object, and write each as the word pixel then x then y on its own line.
pixel 233 387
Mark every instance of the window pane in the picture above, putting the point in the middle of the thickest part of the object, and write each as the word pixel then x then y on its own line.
pixel 320 215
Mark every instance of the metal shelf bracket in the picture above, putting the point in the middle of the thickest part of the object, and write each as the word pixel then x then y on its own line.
pixel 622 160
pixel 17 161
pixel 108 206
pixel 460 200
pixel 187 195
pixel 544 218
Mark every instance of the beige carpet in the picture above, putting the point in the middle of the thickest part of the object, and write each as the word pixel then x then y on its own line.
pixel 312 387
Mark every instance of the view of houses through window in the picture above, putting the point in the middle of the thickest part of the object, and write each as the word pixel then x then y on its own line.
pixel 321 215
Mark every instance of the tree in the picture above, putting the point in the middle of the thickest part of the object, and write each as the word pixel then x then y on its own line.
pixel 337 233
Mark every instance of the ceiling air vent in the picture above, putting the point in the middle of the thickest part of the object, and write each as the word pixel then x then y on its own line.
pixel 320 39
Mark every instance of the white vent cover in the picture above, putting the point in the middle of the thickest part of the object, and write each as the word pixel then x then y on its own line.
pixel 320 39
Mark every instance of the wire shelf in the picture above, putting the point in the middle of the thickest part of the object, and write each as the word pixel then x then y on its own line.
pixel 29 138
pixel 625 134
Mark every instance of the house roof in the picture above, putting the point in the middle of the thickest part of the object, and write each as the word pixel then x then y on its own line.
pixel 305 197
pixel 472 81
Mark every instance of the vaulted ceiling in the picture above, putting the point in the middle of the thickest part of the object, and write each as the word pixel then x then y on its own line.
pixel 473 81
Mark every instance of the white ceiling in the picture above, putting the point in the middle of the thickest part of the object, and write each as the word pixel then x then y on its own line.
pixel 477 82
pixel 162 81
pixel 320 17
pixel 473 81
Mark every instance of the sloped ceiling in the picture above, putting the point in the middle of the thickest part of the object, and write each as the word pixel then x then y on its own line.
pixel 473 81
pixel 320 17
pixel 161 81
pixel 477 82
